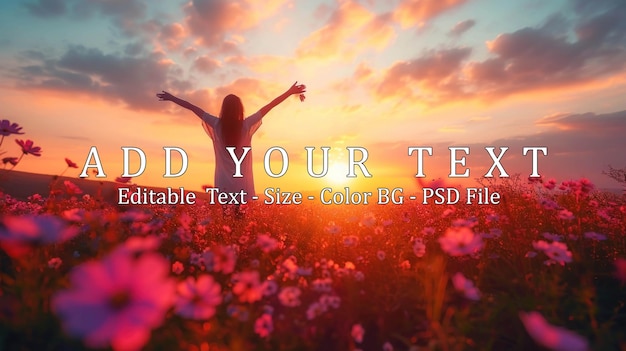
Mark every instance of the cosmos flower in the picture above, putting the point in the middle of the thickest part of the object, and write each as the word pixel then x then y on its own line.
pixel 7 128
pixel 266 243
pixel 223 259
pixel 55 263
pixel 71 188
pixel 460 241
pixel 357 333
pixel 247 286
pixel 549 336
pixel 19 233
pixel 12 160
pixel 28 147
pixel 595 236
pixel 465 286
pixel 264 325
pixel 197 299
pixel 290 296
pixel 70 164
pixel 556 251
pixel 177 267
pixel 117 300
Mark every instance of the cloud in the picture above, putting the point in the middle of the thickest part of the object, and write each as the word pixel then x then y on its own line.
pixel 435 72
pixel 461 27
pixel 212 21
pixel 127 79
pixel 544 58
pixel 349 29
pixel 206 64
pixel 417 12
pixel 172 36
pixel 47 8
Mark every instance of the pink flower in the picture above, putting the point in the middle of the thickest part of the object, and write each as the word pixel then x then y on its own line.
pixel 549 336
pixel 55 263
pixel 224 259
pixel 116 301
pixel 70 164
pixel 381 255
pixel 460 241
pixel 290 296
pixel 197 299
pixel 357 333
pixel 12 160
pixel 266 243
pixel 123 180
pixel 177 267
pixel 332 228
pixel 264 325
pixel 19 233
pixel 465 286
pixel 28 147
pixel 7 128
pixel 71 188
pixel 556 251
pixel 595 236
pixel 247 286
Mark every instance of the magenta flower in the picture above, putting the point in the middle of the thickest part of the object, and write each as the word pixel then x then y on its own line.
pixel 116 301
pixel 28 147
pixel 197 299
pixel 18 234
pixel 290 296
pixel 264 325
pixel 70 164
pixel 460 241
pixel 357 333
pixel 12 160
pixel 247 286
pixel 465 286
pixel 71 188
pixel 123 180
pixel 549 336
pixel 7 128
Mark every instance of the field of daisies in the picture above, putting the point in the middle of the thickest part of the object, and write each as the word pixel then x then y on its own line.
pixel 543 270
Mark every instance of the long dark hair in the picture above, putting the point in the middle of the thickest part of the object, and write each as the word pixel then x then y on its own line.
pixel 231 119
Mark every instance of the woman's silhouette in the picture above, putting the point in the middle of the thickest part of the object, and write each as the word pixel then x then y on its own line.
pixel 232 130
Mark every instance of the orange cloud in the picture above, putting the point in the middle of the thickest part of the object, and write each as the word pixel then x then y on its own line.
pixel 350 28
pixel 417 12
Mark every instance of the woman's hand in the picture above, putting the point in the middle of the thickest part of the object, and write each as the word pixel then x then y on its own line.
pixel 165 96
pixel 297 89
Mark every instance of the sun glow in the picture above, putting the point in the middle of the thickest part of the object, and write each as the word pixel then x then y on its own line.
pixel 337 174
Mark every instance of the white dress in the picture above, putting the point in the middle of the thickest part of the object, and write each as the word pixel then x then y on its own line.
pixel 224 164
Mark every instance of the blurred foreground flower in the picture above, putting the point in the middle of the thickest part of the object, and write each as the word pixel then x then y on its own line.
pixel 551 337
pixel 116 301
pixel 18 234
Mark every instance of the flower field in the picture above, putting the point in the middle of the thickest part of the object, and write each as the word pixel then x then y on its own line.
pixel 545 269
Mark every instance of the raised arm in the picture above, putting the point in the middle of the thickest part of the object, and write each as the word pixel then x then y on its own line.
pixel 165 96
pixel 295 89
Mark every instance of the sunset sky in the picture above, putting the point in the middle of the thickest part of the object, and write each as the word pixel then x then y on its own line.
pixel 384 75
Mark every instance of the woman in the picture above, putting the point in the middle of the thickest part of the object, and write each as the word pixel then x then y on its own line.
pixel 232 130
